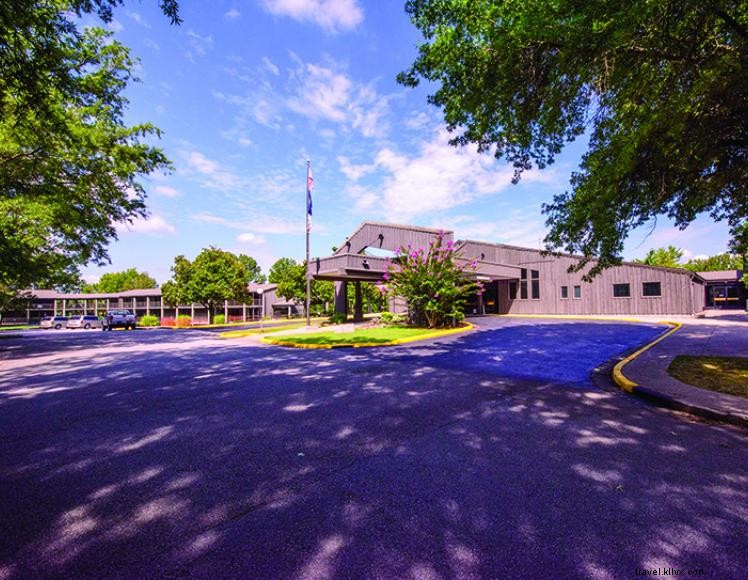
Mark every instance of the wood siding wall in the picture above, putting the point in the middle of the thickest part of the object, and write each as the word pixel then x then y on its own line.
pixel 393 237
pixel 681 294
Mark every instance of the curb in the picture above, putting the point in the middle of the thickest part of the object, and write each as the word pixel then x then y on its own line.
pixel 398 341
pixel 658 398
pixel 622 380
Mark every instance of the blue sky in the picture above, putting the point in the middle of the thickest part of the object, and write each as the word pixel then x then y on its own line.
pixel 246 91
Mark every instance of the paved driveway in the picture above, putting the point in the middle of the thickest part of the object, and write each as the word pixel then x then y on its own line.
pixel 171 453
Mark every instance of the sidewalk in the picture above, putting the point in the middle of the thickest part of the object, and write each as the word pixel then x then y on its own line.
pixel 699 338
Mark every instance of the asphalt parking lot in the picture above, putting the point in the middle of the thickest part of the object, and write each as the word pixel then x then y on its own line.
pixel 160 453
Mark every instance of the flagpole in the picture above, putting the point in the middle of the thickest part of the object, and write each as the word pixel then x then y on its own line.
pixel 306 211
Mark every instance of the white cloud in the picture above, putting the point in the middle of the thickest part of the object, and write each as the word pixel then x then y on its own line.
pixel 137 18
pixel 232 14
pixel 115 26
pixel 438 177
pixel 214 175
pixel 152 225
pixel 322 94
pixel 152 44
pixel 166 191
pixel 199 45
pixel 269 65
pixel 354 172
pixel 91 278
pixel 330 15
pixel 250 238
pixel 263 224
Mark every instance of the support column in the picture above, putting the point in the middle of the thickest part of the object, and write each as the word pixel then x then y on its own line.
pixel 148 305
pixel 64 306
pixel 192 312
pixel 96 306
pixel 134 306
pixel 54 307
pixel 244 313
pixel 341 297
pixel 225 310
pixel 358 305
pixel 85 306
pixel 162 310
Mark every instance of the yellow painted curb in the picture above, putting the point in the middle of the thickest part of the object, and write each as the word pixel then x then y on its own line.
pixel 396 342
pixel 622 380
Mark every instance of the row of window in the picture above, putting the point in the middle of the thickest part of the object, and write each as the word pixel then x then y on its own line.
pixel 649 289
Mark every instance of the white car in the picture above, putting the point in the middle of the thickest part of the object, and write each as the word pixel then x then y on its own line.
pixel 119 319
pixel 86 321
pixel 56 322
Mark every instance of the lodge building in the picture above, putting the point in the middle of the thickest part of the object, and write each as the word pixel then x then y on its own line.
pixel 518 280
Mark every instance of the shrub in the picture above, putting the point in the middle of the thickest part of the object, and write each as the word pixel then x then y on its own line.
pixel 387 318
pixel 219 319
pixel 183 320
pixel 337 318
pixel 435 281
pixel 149 320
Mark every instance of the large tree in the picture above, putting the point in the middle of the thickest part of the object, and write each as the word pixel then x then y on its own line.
pixel 715 263
pixel 129 279
pixel 254 272
pixel 668 257
pixel 660 88
pixel 211 278
pixel 69 164
pixel 290 277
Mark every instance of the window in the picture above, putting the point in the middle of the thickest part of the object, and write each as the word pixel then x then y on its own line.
pixel 535 284
pixel 512 290
pixel 564 292
pixel 577 292
pixel 651 289
pixel 523 284
pixel 622 290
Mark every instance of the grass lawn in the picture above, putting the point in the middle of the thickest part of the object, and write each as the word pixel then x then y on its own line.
pixel 19 327
pixel 368 336
pixel 264 330
pixel 722 374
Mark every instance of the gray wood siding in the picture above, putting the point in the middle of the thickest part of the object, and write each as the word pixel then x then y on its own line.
pixel 680 293
pixel 393 237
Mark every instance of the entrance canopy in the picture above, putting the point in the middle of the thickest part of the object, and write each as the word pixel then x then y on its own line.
pixel 350 262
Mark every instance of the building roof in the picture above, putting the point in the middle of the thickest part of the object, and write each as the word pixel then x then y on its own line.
pixel 140 293
pixel 720 275
pixel 460 243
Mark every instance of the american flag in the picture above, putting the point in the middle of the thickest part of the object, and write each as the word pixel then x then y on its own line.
pixel 309 187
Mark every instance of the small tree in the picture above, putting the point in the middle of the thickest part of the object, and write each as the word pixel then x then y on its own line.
pixel 433 282
pixel 213 277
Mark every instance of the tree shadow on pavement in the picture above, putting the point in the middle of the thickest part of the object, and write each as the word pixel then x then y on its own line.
pixel 222 460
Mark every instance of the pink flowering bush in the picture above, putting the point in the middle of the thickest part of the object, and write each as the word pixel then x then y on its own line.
pixel 433 283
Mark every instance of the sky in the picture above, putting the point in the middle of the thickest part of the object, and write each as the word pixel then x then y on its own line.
pixel 245 91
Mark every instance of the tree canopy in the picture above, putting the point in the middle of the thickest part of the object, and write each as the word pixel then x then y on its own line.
pixel 129 279
pixel 69 164
pixel 668 257
pixel 211 278
pixel 715 263
pixel 660 88
pixel 254 272
pixel 290 276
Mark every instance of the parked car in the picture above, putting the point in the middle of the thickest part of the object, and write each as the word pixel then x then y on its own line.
pixel 119 319
pixel 56 322
pixel 86 321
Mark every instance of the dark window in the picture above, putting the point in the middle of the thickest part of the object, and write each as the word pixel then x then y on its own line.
pixel 577 292
pixel 651 289
pixel 523 273
pixel 523 290
pixel 564 292
pixel 622 290
pixel 535 284
pixel 512 290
